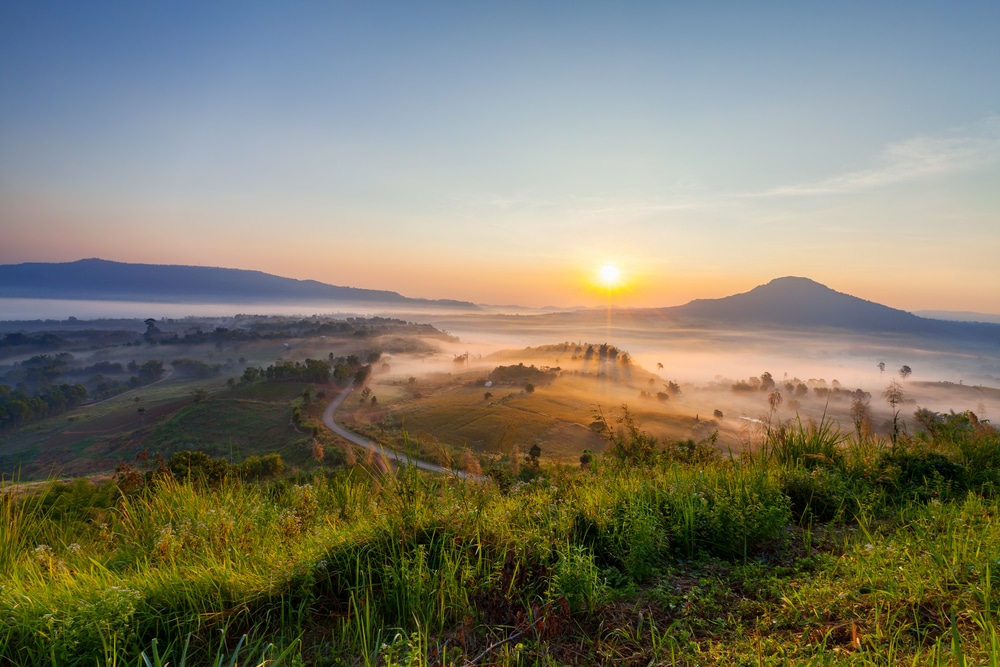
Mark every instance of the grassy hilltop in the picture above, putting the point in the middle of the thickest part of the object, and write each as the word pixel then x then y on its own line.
pixel 819 548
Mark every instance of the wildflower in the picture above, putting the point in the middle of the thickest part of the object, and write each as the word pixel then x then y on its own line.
pixel 74 547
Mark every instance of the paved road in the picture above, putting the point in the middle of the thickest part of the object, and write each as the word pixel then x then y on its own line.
pixel 391 454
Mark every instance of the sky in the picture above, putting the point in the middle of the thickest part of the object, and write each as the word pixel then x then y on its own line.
pixel 504 152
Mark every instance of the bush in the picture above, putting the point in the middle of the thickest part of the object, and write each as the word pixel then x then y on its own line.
pixel 921 474
pixel 816 495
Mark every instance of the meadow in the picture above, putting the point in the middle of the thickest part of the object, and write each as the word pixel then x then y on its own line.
pixel 819 547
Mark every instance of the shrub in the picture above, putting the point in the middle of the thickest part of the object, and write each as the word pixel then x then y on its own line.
pixel 577 578
pixel 810 446
pixel 820 494
pixel 921 474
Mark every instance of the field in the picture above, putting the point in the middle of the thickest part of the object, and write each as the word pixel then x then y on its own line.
pixel 182 410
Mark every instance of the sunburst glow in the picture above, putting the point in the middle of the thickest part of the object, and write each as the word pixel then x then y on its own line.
pixel 610 275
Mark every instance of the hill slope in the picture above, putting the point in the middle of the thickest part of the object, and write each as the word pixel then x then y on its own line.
pixel 117 281
pixel 793 302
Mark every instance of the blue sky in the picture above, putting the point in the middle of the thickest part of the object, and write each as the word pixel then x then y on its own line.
pixel 503 152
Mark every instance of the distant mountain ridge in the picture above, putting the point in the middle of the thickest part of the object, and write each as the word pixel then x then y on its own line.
pixel 801 303
pixel 100 279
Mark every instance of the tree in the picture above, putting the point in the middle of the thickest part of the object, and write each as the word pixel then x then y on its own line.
pixel 893 395
pixel 142 416
pixel 533 455
pixel 529 388
pixel 860 414
pixel 774 399
pixel 881 368
pixel 905 371
pixel 151 371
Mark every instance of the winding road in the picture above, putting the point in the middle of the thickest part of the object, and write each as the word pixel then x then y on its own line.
pixel 391 454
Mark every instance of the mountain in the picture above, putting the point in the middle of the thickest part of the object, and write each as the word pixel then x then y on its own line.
pixel 959 315
pixel 99 279
pixel 801 303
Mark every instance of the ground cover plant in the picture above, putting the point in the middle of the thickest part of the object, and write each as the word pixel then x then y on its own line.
pixel 877 552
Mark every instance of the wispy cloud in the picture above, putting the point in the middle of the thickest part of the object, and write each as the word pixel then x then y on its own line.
pixel 910 160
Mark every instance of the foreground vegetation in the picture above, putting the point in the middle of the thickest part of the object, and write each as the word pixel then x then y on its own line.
pixel 819 548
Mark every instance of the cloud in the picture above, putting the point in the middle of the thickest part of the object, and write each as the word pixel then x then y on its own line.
pixel 910 160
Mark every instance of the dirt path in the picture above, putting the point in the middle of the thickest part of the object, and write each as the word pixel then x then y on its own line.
pixel 391 454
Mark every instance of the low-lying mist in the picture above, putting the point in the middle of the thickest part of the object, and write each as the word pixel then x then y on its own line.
pixel 707 363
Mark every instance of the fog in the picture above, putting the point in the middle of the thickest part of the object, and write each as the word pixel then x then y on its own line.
pixel 707 363
pixel 61 309
pixel 704 363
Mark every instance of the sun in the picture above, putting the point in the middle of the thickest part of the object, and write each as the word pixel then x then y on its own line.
pixel 610 275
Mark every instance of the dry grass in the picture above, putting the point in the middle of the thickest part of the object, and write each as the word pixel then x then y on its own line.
pixel 453 409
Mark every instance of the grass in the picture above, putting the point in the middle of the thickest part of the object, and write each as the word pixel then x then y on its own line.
pixel 865 555
pixel 228 426
pixel 556 416
pixel 236 423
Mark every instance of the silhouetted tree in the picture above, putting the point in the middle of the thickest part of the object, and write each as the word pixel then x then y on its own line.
pixel 533 454
pixel 893 395
pixel 774 399
pixel 905 371
pixel 860 413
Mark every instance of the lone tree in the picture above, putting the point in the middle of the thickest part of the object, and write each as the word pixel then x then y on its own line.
pixel 861 414
pixel 533 455
pixel 904 371
pixel 893 395
pixel 881 368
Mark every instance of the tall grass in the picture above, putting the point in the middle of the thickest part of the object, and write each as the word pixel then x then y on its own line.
pixel 414 569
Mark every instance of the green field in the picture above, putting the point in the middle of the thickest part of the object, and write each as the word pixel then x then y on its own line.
pixel 234 423
pixel 821 548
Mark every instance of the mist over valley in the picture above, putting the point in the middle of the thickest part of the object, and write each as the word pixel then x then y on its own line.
pixel 710 370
